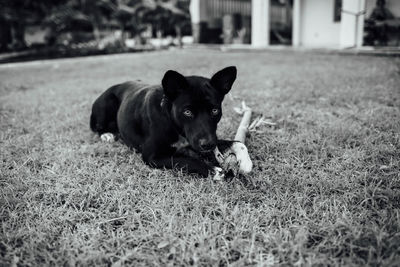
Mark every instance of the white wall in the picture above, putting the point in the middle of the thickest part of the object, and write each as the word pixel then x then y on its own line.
pixel 352 23
pixel 317 28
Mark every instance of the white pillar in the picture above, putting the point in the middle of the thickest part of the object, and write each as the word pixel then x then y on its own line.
pixel 198 11
pixel 296 27
pixel 198 16
pixel 360 26
pixel 260 23
pixel 352 23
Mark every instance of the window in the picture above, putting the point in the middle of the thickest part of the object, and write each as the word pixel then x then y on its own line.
pixel 337 10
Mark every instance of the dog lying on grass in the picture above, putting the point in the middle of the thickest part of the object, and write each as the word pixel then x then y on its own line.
pixel 153 119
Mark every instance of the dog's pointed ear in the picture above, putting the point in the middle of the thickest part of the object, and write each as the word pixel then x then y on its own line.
pixel 173 82
pixel 223 79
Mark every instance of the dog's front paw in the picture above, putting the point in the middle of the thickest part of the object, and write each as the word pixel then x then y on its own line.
pixel 107 137
pixel 218 174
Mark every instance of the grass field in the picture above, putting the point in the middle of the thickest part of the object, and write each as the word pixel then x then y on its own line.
pixel 326 179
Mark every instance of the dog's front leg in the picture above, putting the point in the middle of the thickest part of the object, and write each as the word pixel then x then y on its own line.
pixel 167 158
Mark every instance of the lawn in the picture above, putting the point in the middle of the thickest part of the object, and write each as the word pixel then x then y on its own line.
pixel 326 187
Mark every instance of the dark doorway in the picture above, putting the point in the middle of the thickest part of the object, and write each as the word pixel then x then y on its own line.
pixel 281 15
pixel 382 23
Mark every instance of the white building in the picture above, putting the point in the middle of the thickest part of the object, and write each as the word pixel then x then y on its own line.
pixel 314 23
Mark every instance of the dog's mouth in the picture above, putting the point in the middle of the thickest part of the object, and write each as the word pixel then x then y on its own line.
pixel 184 143
pixel 206 150
pixel 201 150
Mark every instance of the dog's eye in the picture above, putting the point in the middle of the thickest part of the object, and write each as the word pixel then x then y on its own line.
pixel 187 113
pixel 215 111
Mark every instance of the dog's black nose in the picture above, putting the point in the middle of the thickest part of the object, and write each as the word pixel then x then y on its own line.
pixel 206 144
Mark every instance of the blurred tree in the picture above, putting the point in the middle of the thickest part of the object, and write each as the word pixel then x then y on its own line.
pixel 167 17
pixel 180 18
pixel 92 16
pixel 80 16
pixel 15 15
pixel 163 15
pixel 128 16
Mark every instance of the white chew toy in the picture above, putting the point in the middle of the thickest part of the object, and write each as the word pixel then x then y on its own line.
pixel 237 158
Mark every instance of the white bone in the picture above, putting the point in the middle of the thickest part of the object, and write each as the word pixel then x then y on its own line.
pixel 242 156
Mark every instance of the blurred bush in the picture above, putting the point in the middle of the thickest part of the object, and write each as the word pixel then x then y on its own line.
pixel 105 23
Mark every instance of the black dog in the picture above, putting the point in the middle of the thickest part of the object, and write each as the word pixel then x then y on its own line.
pixel 152 118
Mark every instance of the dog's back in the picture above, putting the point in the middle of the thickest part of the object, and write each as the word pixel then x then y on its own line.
pixel 105 109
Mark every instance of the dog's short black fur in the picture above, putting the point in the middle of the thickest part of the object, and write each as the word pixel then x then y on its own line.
pixel 151 118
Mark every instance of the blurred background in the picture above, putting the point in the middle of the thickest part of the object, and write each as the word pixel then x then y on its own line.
pixel 57 28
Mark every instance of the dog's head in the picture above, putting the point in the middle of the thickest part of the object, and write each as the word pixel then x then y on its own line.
pixel 195 105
